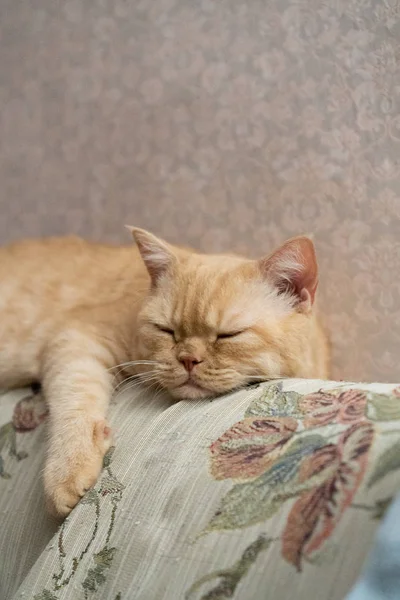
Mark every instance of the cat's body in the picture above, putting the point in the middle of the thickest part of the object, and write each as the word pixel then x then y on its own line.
pixel 49 285
pixel 196 325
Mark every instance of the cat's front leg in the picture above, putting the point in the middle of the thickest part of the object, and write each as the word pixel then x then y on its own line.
pixel 77 386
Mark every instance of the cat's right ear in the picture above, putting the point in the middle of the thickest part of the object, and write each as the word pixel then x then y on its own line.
pixel 157 255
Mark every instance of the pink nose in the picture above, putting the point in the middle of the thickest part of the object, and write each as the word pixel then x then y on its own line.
pixel 189 362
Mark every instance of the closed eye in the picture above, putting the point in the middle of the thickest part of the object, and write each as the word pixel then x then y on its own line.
pixel 231 334
pixel 165 329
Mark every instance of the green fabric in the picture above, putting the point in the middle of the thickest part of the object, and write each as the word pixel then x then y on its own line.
pixel 272 492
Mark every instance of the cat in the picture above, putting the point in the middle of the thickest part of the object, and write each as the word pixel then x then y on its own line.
pixel 196 325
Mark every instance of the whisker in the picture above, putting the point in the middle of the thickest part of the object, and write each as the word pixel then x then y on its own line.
pixel 135 362
pixel 142 376
pixel 158 390
pixel 132 363
pixel 135 384
pixel 149 385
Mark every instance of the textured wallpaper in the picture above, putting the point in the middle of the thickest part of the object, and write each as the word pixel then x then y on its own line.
pixel 226 124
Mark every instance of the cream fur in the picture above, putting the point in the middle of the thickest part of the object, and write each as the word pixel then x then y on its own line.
pixel 71 311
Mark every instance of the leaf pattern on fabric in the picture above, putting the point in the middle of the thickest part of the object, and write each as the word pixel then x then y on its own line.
pixel 230 578
pixel 387 462
pixel 381 507
pixel 315 514
pixel 273 402
pixel 281 460
pixel 110 487
pixel 258 499
pixel 96 576
pixel 45 595
pixel 8 446
pixel 29 413
pixel 335 406
pixel 250 446
pixel 384 407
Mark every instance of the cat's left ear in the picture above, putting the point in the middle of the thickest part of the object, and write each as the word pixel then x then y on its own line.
pixel 157 255
pixel 293 269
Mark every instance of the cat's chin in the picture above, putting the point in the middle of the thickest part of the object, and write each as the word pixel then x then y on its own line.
pixel 191 391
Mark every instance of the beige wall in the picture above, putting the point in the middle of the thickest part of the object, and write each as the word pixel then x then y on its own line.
pixel 227 124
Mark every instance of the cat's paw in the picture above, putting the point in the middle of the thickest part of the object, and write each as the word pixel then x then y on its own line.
pixel 67 477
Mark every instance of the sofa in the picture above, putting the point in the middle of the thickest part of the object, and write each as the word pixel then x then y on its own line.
pixel 271 492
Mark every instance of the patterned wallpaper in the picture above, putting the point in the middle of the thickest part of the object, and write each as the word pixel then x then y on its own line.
pixel 226 124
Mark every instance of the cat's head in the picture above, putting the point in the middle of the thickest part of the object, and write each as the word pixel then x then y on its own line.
pixel 215 323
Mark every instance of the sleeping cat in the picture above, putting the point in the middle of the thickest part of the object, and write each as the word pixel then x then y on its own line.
pixel 195 325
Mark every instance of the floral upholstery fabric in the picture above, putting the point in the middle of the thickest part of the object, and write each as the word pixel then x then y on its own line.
pixel 275 491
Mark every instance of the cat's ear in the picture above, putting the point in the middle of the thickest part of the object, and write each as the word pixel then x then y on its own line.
pixel 293 269
pixel 157 255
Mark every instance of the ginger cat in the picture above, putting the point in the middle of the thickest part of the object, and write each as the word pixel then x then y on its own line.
pixel 197 325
